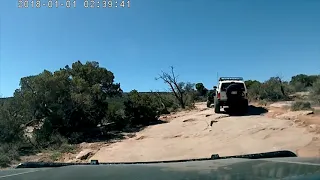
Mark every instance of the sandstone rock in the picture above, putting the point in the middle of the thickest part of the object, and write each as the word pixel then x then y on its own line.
pixel 282 104
pixel 313 126
pixel 84 154
pixel 293 115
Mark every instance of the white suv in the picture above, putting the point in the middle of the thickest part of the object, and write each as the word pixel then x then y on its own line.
pixel 231 92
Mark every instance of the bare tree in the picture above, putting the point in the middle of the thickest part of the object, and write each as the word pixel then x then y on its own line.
pixel 171 80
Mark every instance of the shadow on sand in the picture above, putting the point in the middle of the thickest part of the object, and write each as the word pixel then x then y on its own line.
pixel 252 110
pixel 104 134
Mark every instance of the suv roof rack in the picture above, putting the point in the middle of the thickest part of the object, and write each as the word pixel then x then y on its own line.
pixel 230 78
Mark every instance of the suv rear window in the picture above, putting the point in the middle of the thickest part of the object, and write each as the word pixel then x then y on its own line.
pixel 225 85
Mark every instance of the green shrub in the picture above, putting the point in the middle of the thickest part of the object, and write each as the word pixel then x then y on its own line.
pixel 141 109
pixel 190 99
pixel 273 89
pixel 4 160
pixel 170 102
pixel 298 87
pixel 8 153
pixel 201 90
pixel 301 105
pixel 315 92
pixel 55 156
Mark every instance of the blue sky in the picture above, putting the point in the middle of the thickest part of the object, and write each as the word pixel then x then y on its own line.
pixel 254 39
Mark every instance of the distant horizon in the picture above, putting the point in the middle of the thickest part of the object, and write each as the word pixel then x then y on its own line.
pixel 169 91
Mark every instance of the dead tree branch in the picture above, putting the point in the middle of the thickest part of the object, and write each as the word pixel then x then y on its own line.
pixel 171 81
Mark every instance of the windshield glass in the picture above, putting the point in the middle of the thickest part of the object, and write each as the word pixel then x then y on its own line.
pixel 133 80
pixel 225 85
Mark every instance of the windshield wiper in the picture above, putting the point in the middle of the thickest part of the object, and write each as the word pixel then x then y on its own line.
pixel 273 154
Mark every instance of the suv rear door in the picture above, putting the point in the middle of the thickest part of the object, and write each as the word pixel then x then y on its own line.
pixel 223 93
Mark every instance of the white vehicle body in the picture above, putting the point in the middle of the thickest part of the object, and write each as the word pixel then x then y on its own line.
pixel 231 92
pixel 221 91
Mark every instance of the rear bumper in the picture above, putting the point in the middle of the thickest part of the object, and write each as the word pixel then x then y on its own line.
pixel 223 102
pixel 237 102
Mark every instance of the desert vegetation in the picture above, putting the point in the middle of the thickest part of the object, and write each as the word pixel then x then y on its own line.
pixel 54 111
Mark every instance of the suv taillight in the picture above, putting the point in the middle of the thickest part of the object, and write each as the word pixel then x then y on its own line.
pixel 218 95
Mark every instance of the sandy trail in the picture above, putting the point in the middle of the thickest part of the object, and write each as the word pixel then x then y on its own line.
pixel 189 135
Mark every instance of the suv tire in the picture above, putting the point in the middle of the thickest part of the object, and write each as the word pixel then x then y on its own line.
pixel 208 103
pixel 245 107
pixel 216 105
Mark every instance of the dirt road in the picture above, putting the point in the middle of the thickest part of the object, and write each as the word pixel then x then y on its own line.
pixel 189 135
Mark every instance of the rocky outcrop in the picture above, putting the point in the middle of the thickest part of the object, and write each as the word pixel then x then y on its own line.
pixel 293 115
pixel 85 154
pixel 283 104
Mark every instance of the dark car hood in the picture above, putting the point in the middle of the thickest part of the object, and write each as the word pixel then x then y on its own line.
pixel 226 169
